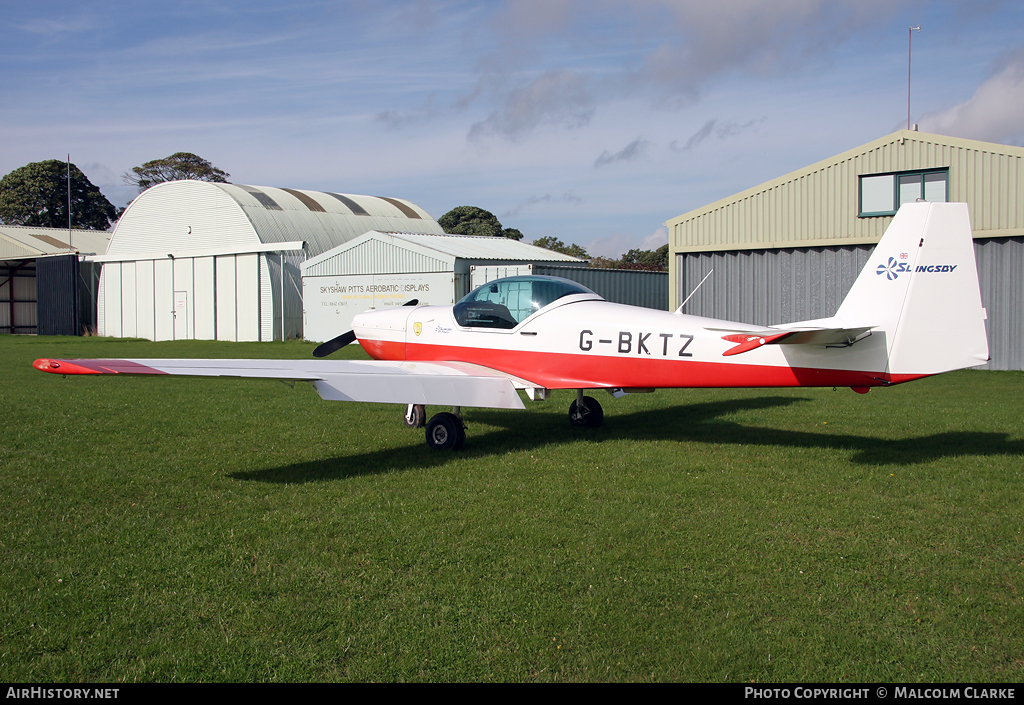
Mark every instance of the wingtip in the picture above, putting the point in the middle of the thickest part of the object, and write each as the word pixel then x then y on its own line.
pixel 45 365
pixel 62 367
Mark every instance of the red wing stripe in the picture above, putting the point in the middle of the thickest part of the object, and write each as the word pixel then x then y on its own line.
pixel 94 367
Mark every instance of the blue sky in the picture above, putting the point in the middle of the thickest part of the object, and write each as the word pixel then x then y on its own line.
pixel 593 122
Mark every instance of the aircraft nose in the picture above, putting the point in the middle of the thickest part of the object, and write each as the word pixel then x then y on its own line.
pixel 381 332
pixel 384 319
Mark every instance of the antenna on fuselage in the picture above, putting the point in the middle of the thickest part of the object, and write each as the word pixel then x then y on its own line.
pixel 680 309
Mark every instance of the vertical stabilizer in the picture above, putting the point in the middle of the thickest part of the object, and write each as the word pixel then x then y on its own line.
pixel 920 287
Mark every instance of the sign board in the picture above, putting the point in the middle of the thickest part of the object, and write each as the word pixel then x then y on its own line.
pixel 330 303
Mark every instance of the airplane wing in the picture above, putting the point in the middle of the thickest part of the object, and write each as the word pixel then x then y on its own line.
pixel 435 383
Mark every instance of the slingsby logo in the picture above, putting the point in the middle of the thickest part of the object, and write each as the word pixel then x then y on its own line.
pixel 417 327
pixel 893 268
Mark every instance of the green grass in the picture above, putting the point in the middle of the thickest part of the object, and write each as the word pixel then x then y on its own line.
pixel 158 529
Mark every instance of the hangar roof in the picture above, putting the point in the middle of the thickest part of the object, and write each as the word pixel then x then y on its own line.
pixel 197 216
pixel 25 242
pixel 383 252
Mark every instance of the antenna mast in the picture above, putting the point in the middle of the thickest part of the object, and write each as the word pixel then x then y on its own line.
pixel 910 35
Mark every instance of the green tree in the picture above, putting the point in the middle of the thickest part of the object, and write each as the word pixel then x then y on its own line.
pixel 37 195
pixel 178 166
pixel 652 260
pixel 556 245
pixel 605 263
pixel 470 220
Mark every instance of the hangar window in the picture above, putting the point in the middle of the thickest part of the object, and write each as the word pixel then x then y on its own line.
pixel 505 303
pixel 883 194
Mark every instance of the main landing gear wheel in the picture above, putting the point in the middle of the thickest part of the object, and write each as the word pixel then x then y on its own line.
pixel 445 432
pixel 585 411
pixel 415 416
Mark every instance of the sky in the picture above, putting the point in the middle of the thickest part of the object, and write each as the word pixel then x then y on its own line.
pixel 590 121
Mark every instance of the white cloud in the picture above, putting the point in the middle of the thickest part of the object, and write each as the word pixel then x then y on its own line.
pixel 656 239
pixel 995 113
pixel 615 245
pixel 612 246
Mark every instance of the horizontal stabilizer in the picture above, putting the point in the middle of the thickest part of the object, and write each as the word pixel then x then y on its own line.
pixel 797 335
pixel 807 335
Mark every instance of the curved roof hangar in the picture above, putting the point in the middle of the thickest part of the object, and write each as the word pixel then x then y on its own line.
pixel 216 218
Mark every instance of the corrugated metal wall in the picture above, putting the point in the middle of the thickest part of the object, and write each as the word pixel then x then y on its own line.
pixel 378 257
pixel 767 287
pixel 57 295
pixel 292 290
pixel 1000 270
pixel 52 295
pixel 622 286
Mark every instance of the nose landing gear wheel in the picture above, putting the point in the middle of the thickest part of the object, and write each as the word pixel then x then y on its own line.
pixel 586 412
pixel 445 432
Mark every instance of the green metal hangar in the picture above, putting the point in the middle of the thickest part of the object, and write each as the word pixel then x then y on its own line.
pixel 790 249
pixel 216 261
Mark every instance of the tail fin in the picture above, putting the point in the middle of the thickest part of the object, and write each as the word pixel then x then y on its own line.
pixel 920 287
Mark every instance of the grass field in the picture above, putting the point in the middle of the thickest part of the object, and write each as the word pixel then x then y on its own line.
pixel 159 529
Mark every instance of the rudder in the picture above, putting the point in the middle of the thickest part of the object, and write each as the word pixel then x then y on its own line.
pixel 920 287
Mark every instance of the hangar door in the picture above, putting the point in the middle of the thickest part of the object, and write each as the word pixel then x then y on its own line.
pixel 206 298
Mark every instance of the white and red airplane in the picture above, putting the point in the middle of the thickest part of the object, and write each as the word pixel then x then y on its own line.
pixel 915 310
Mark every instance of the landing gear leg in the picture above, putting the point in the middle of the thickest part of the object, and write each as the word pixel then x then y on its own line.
pixel 585 411
pixel 415 416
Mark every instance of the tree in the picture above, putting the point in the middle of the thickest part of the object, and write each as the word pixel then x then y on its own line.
pixel 37 195
pixel 649 260
pixel 470 220
pixel 178 166
pixel 605 263
pixel 652 260
pixel 556 245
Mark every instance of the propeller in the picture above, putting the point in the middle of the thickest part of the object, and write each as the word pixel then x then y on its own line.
pixel 336 344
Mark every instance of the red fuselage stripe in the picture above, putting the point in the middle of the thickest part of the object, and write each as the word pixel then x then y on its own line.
pixel 575 371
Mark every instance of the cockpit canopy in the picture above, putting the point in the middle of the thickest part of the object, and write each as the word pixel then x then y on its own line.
pixel 505 303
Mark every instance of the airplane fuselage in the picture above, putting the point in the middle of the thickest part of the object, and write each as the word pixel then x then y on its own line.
pixel 584 342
